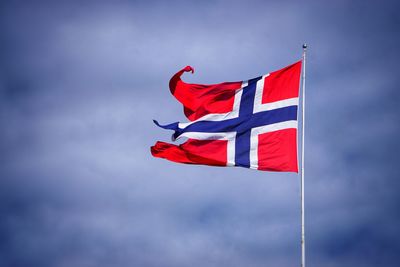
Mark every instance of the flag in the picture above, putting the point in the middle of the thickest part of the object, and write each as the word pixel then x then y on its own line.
pixel 251 124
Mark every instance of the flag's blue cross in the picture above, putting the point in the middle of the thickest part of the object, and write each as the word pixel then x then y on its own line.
pixel 242 125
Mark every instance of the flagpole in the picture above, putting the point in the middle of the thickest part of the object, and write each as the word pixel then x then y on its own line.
pixel 303 244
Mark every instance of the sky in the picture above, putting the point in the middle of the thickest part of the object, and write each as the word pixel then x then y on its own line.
pixel 81 81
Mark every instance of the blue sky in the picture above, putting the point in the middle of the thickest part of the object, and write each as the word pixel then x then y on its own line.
pixel 81 81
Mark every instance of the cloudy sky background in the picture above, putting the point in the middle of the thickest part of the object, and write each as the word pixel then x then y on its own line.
pixel 81 81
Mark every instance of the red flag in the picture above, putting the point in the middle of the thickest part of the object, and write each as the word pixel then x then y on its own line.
pixel 251 124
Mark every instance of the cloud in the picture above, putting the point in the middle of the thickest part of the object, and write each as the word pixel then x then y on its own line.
pixel 80 84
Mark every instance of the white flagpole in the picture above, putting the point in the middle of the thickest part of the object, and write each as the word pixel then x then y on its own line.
pixel 303 244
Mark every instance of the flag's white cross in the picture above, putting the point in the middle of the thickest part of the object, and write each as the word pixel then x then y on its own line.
pixel 258 107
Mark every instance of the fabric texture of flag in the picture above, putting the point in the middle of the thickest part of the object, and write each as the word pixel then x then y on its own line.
pixel 251 124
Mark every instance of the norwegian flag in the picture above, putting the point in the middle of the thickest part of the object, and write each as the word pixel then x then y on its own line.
pixel 251 124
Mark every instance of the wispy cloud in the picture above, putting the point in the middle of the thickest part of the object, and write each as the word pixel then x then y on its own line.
pixel 81 82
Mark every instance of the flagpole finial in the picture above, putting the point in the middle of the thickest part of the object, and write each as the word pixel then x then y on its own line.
pixel 304 46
